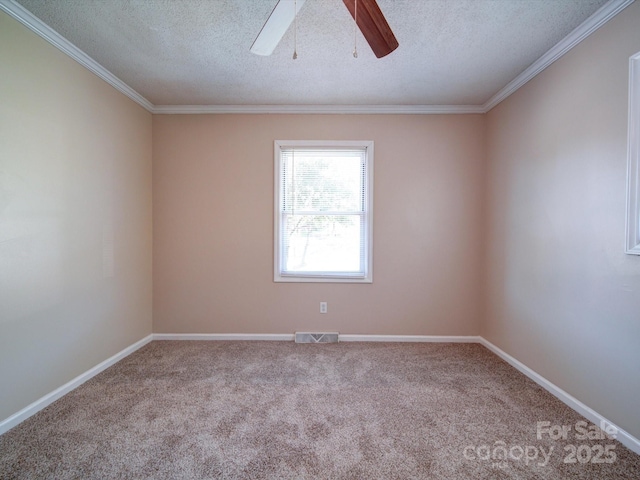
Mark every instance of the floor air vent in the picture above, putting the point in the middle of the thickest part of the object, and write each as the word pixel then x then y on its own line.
pixel 323 337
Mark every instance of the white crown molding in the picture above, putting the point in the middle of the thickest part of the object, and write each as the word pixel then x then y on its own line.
pixel 599 18
pixel 48 399
pixel 594 22
pixel 54 38
pixel 622 436
pixel 319 109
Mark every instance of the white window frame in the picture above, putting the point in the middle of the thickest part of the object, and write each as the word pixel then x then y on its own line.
pixel 633 162
pixel 368 211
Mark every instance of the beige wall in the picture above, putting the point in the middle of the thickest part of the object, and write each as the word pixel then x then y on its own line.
pixel 213 226
pixel 75 219
pixel 562 297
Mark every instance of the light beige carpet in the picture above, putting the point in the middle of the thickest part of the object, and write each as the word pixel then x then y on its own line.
pixel 284 410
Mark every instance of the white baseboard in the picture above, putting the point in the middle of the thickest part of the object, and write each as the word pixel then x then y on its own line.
pixel 225 336
pixel 48 399
pixel 291 337
pixel 408 338
pixel 594 417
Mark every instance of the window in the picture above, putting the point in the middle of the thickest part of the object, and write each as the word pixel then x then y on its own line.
pixel 633 168
pixel 323 211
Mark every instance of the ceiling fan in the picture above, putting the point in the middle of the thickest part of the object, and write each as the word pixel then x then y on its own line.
pixel 366 13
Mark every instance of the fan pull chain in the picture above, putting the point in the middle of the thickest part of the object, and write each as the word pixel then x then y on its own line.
pixel 295 29
pixel 355 31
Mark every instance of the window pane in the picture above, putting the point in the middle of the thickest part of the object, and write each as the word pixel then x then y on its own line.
pixel 322 243
pixel 323 181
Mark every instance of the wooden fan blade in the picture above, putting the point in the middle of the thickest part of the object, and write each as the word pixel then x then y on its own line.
pixel 373 26
pixel 276 26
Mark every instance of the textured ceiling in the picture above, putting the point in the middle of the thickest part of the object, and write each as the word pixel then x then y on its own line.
pixel 196 52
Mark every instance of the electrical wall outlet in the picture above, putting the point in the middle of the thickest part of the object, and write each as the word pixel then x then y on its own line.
pixel 323 307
